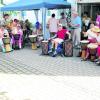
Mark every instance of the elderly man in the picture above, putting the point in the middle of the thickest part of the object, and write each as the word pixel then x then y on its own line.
pixel 76 24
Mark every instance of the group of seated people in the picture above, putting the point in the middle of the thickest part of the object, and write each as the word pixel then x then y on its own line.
pixel 93 35
pixel 12 32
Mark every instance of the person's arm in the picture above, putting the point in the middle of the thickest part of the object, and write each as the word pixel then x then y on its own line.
pixel 54 36
pixel 48 23
pixel 69 34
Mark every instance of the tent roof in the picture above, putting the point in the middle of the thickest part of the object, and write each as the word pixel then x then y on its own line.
pixel 36 4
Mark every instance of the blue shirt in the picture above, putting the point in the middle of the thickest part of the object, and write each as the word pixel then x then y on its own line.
pixel 77 21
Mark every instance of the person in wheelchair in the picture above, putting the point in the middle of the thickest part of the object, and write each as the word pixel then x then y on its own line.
pixel 58 39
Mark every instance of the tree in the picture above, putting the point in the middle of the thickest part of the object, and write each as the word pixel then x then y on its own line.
pixel 2 2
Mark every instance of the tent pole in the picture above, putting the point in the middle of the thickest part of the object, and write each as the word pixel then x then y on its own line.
pixel 44 20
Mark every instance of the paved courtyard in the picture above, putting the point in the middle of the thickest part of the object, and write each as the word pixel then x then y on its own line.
pixel 27 61
pixel 27 75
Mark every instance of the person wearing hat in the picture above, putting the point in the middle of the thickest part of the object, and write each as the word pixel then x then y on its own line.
pixel 76 24
pixel 94 38
pixel 58 38
pixel 91 33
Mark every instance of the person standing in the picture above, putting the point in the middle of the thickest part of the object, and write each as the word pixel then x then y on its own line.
pixel 98 20
pixel 76 24
pixel 6 20
pixel 53 25
pixel 63 20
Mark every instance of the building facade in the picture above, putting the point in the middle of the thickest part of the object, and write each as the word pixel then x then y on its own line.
pixel 90 6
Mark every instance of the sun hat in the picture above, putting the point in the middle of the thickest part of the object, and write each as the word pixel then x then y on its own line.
pixel 96 29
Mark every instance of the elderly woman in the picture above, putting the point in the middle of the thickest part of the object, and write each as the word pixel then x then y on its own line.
pixel 94 38
pixel 90 34
pixel 58 38
pixel 98 48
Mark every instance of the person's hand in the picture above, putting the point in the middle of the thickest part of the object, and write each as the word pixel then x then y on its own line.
pixel 84 33
pixel 49 39
pixel 70 24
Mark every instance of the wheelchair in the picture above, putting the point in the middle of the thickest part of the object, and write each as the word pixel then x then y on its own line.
pixel 60 48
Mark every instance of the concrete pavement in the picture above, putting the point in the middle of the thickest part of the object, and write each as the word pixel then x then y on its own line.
pixel 26 75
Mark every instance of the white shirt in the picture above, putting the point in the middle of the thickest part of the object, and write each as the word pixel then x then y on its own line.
pixel 91 34
pixel 53 25
pixel 98 39
pixel 63 21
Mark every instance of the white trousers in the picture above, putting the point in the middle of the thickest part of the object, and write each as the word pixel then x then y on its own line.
pixel 76 36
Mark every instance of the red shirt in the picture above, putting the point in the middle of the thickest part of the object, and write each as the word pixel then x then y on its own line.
pixel 61 33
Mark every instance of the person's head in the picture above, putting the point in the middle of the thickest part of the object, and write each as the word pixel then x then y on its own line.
pixel 62 15
pixel 26 21
pixel 53 15
pixel 2 27
pixel 98 13
pixel 15 20
pixel 60 27
pixel 92 25
pixel 75 13
pixel 86 14
pixel 6 16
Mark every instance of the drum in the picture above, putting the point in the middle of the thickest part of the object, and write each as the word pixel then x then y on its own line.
pixel 16 36
pixel 68 48
pixel 84 44
pixel 45 47
pixel 7 47
pixel 93 50
pixel 6 40
pixel 34 46
pixel 33 38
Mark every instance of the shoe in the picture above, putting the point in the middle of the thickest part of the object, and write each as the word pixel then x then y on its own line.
pixel 50 51
pixel 84 59
pixel 96 60
pixel 54 54
pixel 98 63
pixel 62 55
pixel 77 47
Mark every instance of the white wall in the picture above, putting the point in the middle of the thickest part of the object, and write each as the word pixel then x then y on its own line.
pixel 9 1
pixel 89 1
